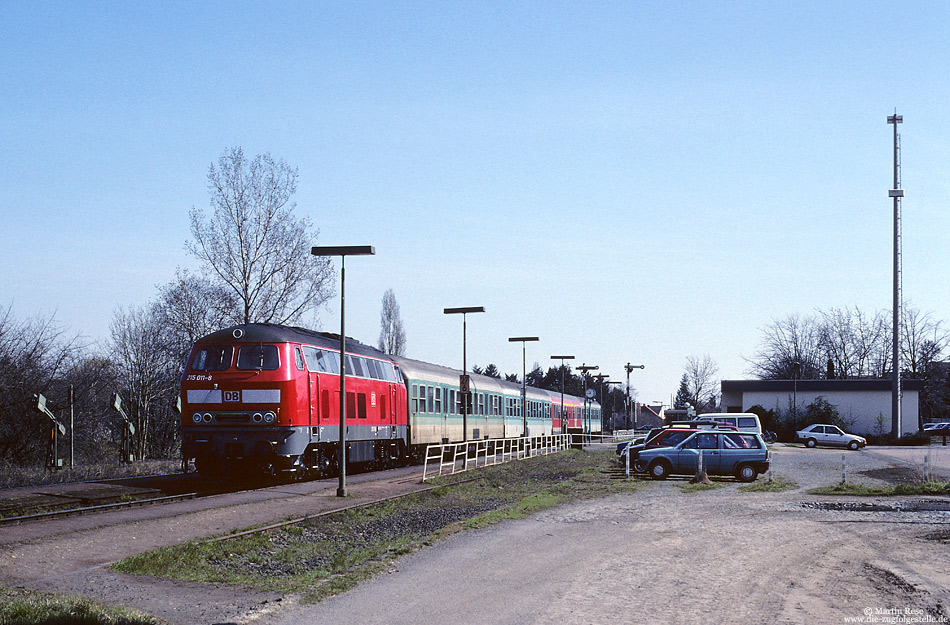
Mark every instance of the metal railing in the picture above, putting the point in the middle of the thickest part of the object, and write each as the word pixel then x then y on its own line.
pixel 451 458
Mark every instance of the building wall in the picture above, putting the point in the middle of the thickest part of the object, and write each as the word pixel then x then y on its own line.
pixel 859 410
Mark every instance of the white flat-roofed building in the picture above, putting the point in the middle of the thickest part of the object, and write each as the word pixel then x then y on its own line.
pixel 860 403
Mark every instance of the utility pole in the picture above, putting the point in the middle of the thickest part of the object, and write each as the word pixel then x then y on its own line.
pixel 896 193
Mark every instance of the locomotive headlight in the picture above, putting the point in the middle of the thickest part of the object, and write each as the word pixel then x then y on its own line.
pixel 258 417
pixel 269 417
pixel 207 417
pixel 196 417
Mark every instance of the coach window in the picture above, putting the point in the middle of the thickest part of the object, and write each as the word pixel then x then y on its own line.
pixel 431 394
pixel 438 400
pixel 415 398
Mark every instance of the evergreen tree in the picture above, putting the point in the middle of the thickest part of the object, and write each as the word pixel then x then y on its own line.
pixel 682 395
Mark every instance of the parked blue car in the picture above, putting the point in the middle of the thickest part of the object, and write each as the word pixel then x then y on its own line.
pixel 741 454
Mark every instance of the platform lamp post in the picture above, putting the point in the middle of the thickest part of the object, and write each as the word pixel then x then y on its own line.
pixel 629 368
pixel 584 368
pixel 343 251
pixel 464 384
pixel 524 377
pixel 563 420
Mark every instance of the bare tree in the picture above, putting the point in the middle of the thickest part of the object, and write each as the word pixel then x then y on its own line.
pixel 33 355
pixel 191 307
pixel 392 335
pixel 147 377
pixel 794 340
pixel 923 340
pixel 852 341
pixel 702 383
pixel 253 243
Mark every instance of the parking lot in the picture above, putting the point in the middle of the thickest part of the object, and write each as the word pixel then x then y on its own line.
pixel 661 555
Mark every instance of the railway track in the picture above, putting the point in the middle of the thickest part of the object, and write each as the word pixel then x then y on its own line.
pixel 17 518
pixel 30 503
pixel 52 501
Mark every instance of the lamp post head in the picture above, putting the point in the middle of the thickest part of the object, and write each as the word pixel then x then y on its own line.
pixel 463 310
pixel 523 339
pixel 343 250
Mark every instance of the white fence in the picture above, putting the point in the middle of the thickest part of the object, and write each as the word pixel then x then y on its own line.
pixel 450 458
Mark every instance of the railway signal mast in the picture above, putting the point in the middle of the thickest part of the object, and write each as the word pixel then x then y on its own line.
pixel 52 453
pixel 896 192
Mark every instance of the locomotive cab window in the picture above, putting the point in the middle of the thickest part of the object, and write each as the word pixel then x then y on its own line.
pixel 212 358
pixel 263 357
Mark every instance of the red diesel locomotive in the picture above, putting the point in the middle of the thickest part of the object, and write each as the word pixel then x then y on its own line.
pixel 267 396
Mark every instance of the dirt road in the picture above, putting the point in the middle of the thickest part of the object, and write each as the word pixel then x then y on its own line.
pixel 664 556
pixel 655 556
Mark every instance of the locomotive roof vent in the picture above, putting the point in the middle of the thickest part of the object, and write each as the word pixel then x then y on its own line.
pixel 238 333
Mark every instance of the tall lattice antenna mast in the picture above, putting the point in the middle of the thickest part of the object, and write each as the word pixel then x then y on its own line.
pixel 896 193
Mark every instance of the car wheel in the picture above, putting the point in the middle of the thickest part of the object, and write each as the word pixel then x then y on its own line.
pixel 746 473
pixel 853 445
pixel 811 442
pixel 659 470
pixel 639 466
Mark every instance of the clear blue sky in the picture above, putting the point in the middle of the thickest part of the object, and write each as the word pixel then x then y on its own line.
pixel 629 181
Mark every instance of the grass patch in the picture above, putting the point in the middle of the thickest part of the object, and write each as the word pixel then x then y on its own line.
pixel 328 555
pixel 777 485
pixel 913 488
pixel 20 607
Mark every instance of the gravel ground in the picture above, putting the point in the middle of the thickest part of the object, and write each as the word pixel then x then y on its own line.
pixel 664 556
pixel 657 555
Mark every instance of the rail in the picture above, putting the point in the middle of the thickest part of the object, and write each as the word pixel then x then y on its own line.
pixel 451 458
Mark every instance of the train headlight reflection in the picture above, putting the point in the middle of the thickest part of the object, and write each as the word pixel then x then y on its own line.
pixel 196 417
pixel 269 417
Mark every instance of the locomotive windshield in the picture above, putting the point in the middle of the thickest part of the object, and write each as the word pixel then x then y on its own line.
pixel 258 357
pixel 212 358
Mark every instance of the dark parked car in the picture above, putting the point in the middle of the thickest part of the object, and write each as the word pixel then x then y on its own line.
pixel 667 436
